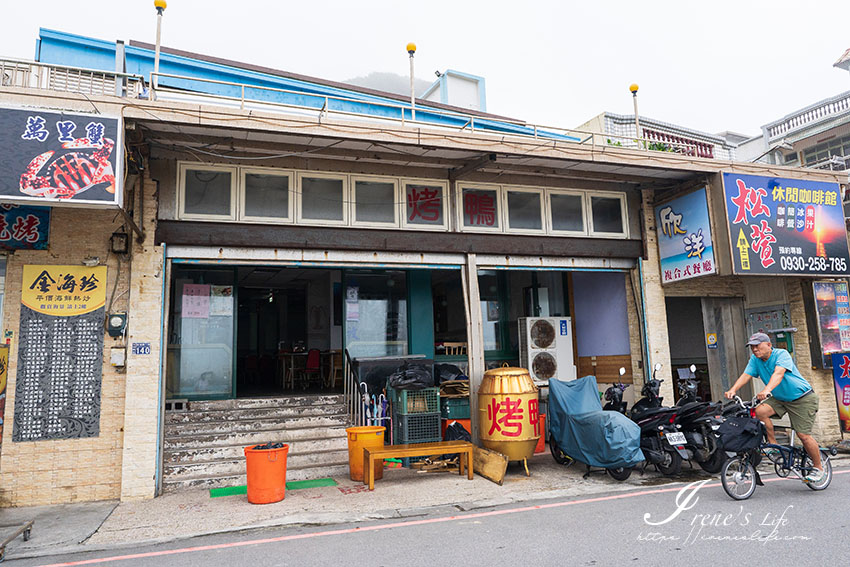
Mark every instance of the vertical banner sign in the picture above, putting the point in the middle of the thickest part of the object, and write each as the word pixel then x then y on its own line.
pixel 832 307
pixel 841 377
pixel 4 373
pixel 59 156
pixel 24 228
pixel 60 353
pixel 684 238
pixel 785 226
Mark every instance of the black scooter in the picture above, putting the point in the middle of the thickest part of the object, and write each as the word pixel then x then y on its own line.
pixel 699 422
pixel 660 440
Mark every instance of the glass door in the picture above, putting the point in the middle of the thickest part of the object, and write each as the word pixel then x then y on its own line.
pixel 375 313
pixel 200 353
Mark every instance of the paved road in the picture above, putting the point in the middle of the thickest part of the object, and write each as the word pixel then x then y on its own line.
pixel 698 525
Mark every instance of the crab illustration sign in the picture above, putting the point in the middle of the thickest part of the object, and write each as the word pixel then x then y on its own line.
pixel 53 157
pixel 785 226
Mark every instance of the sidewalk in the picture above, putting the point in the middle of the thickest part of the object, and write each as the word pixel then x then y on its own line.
pixel 401 493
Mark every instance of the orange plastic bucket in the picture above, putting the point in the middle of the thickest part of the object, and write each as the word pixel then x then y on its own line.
pixel 358 439
pixel 266 474
pixel 541 443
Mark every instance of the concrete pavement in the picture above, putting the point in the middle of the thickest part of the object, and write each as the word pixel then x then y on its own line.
pixel 401 493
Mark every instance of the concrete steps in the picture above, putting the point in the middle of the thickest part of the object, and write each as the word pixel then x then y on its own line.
pixel 204 445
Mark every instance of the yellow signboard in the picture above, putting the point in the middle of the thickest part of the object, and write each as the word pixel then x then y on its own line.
pixel 63 291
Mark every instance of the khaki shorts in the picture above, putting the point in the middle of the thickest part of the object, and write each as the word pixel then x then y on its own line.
pixel 801 411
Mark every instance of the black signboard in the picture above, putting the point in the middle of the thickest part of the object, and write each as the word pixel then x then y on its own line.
pixel 51 157
pixel 60 353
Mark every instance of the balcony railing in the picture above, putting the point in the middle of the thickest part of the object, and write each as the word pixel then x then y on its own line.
pixel 34 75
pixel 825 109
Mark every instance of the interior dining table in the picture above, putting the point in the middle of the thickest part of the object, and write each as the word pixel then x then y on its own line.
pixel 290 363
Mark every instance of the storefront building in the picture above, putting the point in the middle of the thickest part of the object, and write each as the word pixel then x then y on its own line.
pixel 259 236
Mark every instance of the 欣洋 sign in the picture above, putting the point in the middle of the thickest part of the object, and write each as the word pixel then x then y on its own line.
pixel 684 238
pixel 785 226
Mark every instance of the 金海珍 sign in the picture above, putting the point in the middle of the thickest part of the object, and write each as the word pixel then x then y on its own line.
pixel 785 226
pixel 684 238
pixel 51 157
pixel 60 352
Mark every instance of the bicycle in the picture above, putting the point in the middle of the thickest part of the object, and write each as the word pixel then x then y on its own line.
pixel 740 477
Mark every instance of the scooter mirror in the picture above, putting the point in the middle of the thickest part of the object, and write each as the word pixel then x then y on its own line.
pixel 622 371
pixel 693 367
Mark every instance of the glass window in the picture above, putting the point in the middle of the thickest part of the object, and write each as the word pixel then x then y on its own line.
pixel 480 208
pixel 524 210
pixel 424 204
pixel 492 308
pixel 449 311
pixel 374 202
pixel 266 195
pixel 207 192
pixel 322 199
pixel 200 339
pixel 607 214
pixel 567 212
pixel 375 313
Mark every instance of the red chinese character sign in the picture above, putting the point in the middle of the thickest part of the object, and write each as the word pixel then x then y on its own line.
pixel 480 208
pixel 785 226
pixel 424 205
pixel 24 228
pixel 509 412
pixel 53 157
pixel 685 245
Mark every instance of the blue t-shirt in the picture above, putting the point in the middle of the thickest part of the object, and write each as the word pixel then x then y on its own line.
pixel 793 385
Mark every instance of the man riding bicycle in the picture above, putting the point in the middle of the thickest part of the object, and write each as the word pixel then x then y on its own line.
pixel 792 394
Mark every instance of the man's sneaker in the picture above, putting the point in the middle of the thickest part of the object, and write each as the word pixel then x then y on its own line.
pixel 816 475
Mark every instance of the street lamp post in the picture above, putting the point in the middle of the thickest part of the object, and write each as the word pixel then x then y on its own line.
pixel 634 89
pixel 160 6
pixel 411 49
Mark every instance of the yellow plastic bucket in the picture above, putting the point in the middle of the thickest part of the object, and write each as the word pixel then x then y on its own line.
pixel 358 439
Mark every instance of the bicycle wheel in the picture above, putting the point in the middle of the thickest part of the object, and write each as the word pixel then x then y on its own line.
pixel 738 477
pixel 826 465
pixel 560 457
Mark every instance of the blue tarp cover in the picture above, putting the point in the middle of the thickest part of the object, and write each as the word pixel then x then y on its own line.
pixel 587 433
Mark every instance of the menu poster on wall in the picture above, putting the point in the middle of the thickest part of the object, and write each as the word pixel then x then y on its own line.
pixel 832 306
pixel 221 300
pixel 60 353
pixel 841 378
pixel 196 301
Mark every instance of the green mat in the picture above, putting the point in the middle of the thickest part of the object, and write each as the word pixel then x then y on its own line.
pixel 294 485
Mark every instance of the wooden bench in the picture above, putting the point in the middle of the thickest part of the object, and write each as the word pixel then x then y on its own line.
pixel 372 454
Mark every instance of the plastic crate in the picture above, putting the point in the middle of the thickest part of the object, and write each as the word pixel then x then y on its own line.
pixel 417 428
pixel 410 402
pixel 454 408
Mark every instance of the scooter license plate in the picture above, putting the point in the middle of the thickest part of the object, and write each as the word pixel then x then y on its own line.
pixel 677 438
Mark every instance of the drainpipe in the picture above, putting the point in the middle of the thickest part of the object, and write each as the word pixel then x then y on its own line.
pixel 160 395
pixel 647 375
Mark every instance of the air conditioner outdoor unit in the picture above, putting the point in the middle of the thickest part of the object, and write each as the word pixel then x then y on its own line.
pixel 546 348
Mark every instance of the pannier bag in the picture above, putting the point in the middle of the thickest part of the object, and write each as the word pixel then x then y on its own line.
pixel 741 434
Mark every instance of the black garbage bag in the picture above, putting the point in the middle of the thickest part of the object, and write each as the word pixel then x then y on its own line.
pixel 411 377
pixel 446 372
pixel 455 432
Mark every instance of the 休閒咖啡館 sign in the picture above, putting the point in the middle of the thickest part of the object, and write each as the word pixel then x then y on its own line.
pixel 785 226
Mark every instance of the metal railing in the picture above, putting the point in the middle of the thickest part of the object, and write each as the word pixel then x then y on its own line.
pixel 351 393
pixel 53 77
pixel 825 109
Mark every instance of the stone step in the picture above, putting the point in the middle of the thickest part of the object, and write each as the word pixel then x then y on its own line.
pixel 173 430
pixel 270 402
pixel 207 454
pixel 339 470
pixel 244 439
pixel 236 466
pixel 280 412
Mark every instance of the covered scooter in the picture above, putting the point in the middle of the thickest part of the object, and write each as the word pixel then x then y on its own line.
pixel 579 429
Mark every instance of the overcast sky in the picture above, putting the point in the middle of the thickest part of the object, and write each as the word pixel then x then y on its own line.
pixel 712 66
